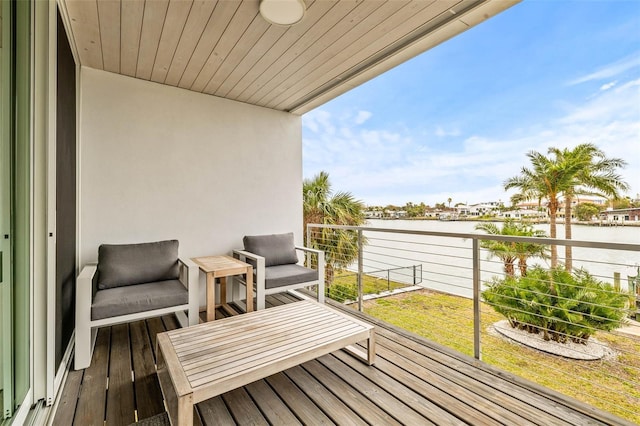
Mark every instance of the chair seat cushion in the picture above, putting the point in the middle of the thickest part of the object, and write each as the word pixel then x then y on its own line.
pixel 118 301
pixel 284 275
pixel 128 264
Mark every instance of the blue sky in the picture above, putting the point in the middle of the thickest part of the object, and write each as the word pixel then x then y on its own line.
pixel 459 119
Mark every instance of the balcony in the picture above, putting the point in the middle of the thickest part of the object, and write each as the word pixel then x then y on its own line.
pixel 414 381
pixel 432 284
pixel 137 154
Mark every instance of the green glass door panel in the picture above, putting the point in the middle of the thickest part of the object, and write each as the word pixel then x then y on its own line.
pixel 15 170
pixel 6 328
pixel 22 203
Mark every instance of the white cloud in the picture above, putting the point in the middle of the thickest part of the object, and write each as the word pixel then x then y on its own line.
pixel 362 117
pixel 611 70
pixel 318 121
pixel 396 165
pixel 608 86
pixel 616 104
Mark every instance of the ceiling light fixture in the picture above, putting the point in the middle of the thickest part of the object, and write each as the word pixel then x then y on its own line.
pixel 282 12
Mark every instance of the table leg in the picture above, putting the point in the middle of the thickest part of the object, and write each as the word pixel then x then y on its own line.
pixel 211 297
pixel 371 348
pixel 185 410
pixel 249 282
pixel 223 290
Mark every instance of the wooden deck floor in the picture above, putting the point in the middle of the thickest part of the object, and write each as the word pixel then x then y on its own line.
pixel 413 382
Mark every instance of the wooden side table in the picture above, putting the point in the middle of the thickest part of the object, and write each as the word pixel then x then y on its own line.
pixel 223 267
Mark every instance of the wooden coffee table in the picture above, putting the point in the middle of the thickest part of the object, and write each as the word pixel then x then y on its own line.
pixel 200 362
pixel 223 267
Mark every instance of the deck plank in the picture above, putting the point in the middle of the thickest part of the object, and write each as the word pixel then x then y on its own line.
pixel 379 396
pixel 242 408
pixel 443 400
pixel 155 326
pixel 214 412
pixel 170 322
pixel 120 401
pixel 402 390
pixel 281 299
pixel 349 404
pixel 69 399
pixel 479 394
pixel 93 394
pixel 298 401
pixel 147 389
pixel 270 404
pixel 413 381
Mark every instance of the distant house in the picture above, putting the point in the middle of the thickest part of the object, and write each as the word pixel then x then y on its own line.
pixel 598 201
pixel 575 202
pixel 544 204
pixel 432 212
pixel 484 209
pixel 463 210
pixel 621 215
pixel 524 214
pixel 373 214
pixel 394 214
pixel 531 205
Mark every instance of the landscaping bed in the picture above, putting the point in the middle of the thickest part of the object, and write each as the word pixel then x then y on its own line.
pixel 610 384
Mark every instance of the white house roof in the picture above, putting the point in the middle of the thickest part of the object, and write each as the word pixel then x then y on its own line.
pixel 225 48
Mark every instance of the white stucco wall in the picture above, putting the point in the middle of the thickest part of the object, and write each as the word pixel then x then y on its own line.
pixel 158 162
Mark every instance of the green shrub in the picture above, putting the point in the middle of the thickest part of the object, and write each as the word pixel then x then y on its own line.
pixel 341 292
pixel 557 303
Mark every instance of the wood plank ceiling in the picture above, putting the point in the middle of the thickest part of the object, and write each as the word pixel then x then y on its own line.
pixel 225 48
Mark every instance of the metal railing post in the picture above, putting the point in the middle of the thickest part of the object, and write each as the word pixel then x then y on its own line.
pixel 476 299
pixel 360 270
pixel 308 244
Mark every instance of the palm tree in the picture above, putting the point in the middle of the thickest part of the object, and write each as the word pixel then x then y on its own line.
pixel 596 175
pixel 322 206
pixel 509 252
pixel 546 179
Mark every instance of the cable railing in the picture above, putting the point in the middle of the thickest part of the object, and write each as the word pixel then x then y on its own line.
pixel 380 282
pixel 576 332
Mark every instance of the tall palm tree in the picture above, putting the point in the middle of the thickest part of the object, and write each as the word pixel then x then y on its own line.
pixel 596 175
pixel 322 206
pixel 547 178
pixel 510 252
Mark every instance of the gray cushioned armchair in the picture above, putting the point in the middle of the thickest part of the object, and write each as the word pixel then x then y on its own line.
pixel 275 262
pixel 129 283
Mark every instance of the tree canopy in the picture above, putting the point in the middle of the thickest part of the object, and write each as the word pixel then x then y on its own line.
pixel 322 206
pixel 566 172
pixel 510 252
pixel 595 174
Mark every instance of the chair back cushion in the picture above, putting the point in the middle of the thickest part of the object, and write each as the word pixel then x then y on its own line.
pixel 121 265
pixel 277 249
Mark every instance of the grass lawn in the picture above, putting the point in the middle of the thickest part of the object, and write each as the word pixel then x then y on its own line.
pixel 611 385
pixel 345 286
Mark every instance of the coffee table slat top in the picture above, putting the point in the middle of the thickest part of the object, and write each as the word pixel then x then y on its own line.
pixel 220 356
